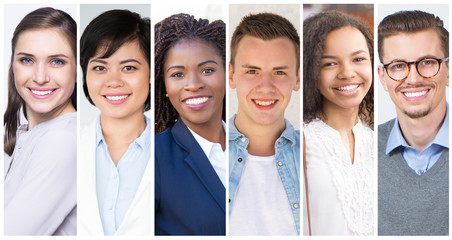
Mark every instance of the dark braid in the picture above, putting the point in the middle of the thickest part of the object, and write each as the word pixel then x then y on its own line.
pixel 168 32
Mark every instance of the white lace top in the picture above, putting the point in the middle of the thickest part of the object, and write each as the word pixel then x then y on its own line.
pixel 340 193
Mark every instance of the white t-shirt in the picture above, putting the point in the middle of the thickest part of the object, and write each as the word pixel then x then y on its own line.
pixel 261 206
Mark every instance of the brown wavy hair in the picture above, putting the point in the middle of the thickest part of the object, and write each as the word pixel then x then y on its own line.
pixel 38 19
pixel 315 32
pixel 169 32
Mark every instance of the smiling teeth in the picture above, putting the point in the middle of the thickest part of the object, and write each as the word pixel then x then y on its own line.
pixel 41 93
pixel 196 101
pixel 348 88
pixel 116 98
pixel 415 94
pixel 264 103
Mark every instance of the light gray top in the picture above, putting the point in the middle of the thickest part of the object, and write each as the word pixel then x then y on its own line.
pixel 40 179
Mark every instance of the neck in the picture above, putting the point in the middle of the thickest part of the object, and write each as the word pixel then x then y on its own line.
pixel 261 137
pixel 420 132
pixel 211 130
pixel 35 118
pixel 123 130
pixel 341 119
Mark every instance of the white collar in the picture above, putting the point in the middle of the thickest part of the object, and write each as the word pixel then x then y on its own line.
pixel 205 144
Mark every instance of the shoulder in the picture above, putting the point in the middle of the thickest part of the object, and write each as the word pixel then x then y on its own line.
pixel 164 144
pixel 385 128
pixel 61 131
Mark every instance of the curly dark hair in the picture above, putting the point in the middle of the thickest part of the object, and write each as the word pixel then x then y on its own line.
pixel 169 32
pixel 315 32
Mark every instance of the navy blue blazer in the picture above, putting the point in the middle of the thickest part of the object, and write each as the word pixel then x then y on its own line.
pixel 189 197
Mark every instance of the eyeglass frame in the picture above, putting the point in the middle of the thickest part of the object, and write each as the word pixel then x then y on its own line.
pixel 440 60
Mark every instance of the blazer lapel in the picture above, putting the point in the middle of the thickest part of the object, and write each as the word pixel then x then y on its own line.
pixel 199 163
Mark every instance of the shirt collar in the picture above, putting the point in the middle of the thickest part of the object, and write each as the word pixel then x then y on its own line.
pixel 205 144
pixel 289 133
pixel 396 138
pixel 143 140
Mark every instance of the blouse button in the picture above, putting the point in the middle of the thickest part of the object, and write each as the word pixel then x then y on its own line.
pixel 229 200
pixel 243 139
pixel 240 160
pixel 280 163
pixel 295 205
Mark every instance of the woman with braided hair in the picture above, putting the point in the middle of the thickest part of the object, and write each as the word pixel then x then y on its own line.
pixel 190 161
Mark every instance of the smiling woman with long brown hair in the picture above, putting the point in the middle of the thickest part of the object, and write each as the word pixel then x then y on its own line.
pixel 40 161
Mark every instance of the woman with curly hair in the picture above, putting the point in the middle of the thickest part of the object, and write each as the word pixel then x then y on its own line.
pixel 190 161
pixel 338 122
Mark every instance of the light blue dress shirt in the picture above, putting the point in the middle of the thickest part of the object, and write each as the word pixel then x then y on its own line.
pixel 287 156
pixel 116 185
pixel 420 162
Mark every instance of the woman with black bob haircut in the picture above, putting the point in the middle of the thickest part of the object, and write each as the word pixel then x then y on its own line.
pixel 190 164
pixel 338 123
pixel 115 189
pixel 40 196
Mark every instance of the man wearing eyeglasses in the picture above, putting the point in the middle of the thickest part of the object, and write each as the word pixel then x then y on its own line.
pixel 413 149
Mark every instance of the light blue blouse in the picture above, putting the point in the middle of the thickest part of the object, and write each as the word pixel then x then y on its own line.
pixel 116 185
pixel 41 179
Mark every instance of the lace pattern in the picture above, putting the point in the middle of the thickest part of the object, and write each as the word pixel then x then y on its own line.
pixel 353 182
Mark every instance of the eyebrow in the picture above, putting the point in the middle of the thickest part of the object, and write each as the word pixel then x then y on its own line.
pixel 259 68
pixel 199 65
pixel 182 67
pixel 129 60
pixel 353 54
pixel 100 60
pixel 419 58
pixel 51 56
pixel 206 62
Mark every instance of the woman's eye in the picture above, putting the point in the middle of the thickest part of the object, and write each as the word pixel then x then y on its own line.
pixel 58 62
pixel 329 64
pixel 208 70
pixel 359 59
pixel 177 75
pixel 129 68
pixel 99 68
pixel 26 60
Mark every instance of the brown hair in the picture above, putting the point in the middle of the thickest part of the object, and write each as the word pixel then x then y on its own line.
pixel 169 32
pixel 266 26
pixel 38 19
pixel 315 32
pixel 411 22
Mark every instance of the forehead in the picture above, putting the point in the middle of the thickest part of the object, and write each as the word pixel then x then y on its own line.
pixel 412 46
pixel 345 40
pixel 43 41
pixel 256 51
pixel 131 49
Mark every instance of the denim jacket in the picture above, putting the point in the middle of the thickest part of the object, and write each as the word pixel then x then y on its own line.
pixel 287 155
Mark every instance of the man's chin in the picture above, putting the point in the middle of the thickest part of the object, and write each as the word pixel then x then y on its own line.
pixel 417 114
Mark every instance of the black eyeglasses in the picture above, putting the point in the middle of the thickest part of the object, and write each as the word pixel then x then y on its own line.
pixel 427 67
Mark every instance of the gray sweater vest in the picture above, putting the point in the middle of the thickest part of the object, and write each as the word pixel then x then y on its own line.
pixel 409 204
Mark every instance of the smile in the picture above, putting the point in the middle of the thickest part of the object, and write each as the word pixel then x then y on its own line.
pixel 196 101
pixel 348 88
pixel 117 98
pixel 415 94
pixel 41 93
pixel 264 103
